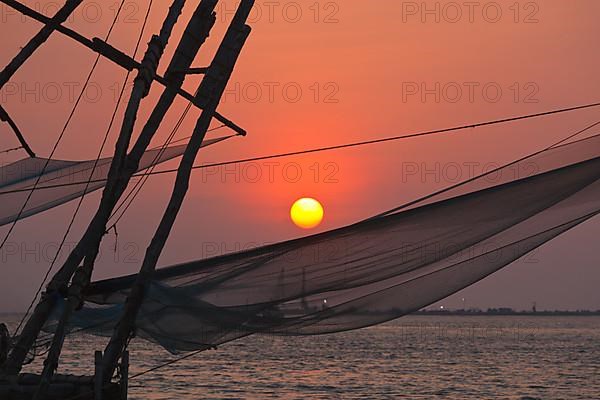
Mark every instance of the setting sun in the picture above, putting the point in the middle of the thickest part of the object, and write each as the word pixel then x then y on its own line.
pixel 307 213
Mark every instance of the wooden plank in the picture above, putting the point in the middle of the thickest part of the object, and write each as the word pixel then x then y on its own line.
pixel 98 379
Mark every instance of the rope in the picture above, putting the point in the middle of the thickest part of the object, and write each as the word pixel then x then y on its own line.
pixel 444 190
pixel 135 376
pixel 114 229
pixel 216 128
pixel 166 364
pixel 342 146
pixel 383 140
pixel 139 184
pixel 12 149
pixel 146 174
pixel 134 192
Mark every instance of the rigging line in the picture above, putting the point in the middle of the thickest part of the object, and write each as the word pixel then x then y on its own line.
pixel 89 168
pixel 219 164
pixel 134 54
pixel 167 363
pixel 62 133
pixel 79 203
pixel 494 170
pixel 107 133
pixel 382 140
pixel 140 183
pixel 183 139
pixel 11 149
pixel 146 174
pixel 341 146
pixel 137 175
pixel 135 376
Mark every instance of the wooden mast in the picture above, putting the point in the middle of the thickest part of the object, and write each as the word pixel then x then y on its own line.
pixel 116 56
pixel 6 118
pixel 39 39
pixel 211 90
pixel 194 36
pixel 24 54
pixel 110 196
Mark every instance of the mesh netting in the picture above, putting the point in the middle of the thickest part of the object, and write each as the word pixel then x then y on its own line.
pixel 367 273
pixel 61 181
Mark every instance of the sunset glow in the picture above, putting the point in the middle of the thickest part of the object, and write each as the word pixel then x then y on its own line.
pixel 455 145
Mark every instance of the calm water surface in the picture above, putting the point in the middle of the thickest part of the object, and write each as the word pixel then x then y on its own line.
pixel 416 357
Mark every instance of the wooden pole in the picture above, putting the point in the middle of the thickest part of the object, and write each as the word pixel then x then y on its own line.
pixel 4 342
pixel 26 52
pixel 80 281
pixel 98 380
pixel 124 375
pixel 194 36
pixel 36 41
pixel 212 89
pixel 6 118
pixel 112 192
pixel 116 56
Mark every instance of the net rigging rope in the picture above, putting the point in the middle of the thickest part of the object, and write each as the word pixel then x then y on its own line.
pixel 11 149
pixel 99 154
pixel 140 183
pixel 341 146
pixel 492 171
pixel 556 144
pixel 147 174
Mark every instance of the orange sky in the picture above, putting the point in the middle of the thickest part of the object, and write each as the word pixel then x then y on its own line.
pixel 357 65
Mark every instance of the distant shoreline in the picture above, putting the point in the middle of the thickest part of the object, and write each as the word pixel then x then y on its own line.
pixel 460 313
pixel 508 312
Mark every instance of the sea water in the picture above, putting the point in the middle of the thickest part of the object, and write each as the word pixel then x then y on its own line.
pixel 416 357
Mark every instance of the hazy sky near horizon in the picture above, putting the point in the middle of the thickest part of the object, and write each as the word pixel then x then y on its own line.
pixel 318 73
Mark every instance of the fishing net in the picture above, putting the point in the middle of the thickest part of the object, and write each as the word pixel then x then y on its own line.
pixel 59 181
pixel 367 273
